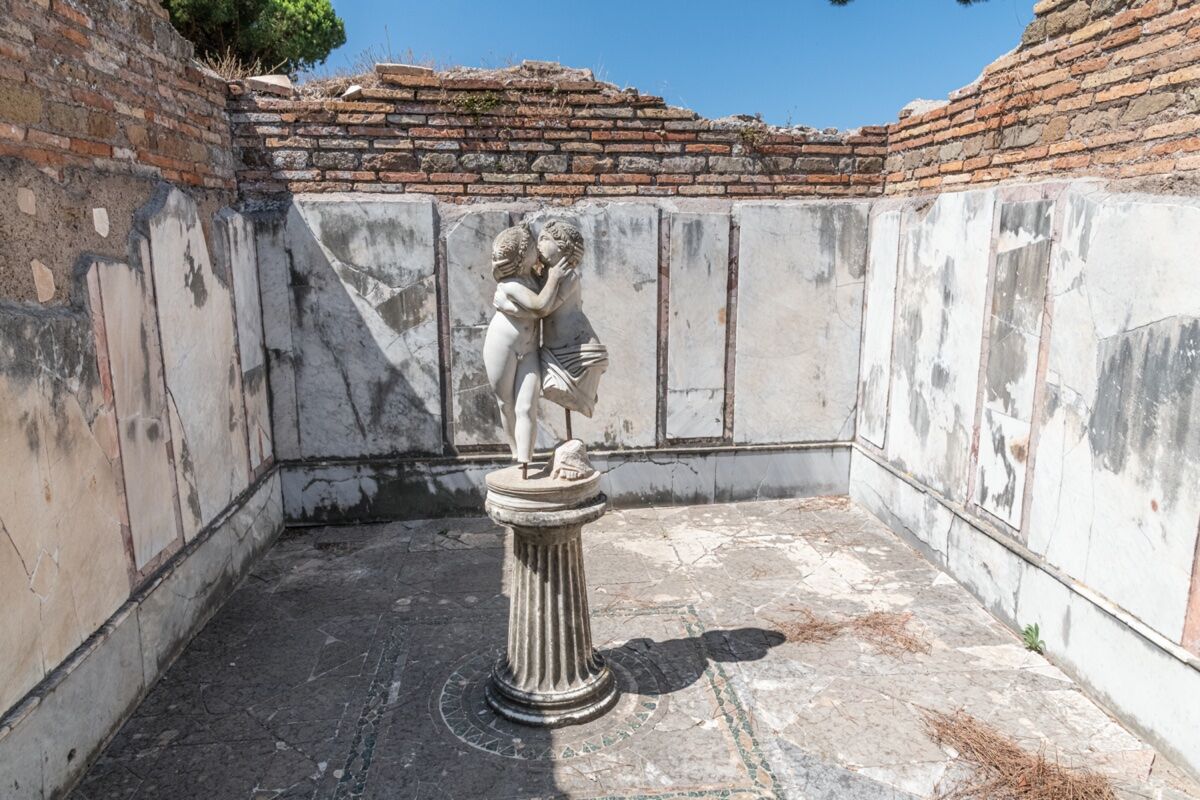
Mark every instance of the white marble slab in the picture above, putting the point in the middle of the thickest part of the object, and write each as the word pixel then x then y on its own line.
pixel 619 275
pixel 1014 337
pixel 365 336
pixel 470 288
pixel 235 234
pixel 276 291
pixel 941 293
pixel 696 331
pixel 135 361
pixel 800 296
pixel 204 384
pixel 1114 500
pixel 879 315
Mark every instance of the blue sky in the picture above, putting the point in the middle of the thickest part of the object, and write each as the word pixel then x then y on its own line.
pixel 793 61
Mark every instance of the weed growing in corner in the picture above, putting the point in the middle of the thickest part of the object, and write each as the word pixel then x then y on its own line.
pixel 1032 637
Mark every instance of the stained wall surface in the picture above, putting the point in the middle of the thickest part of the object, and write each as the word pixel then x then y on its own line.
pixel 1039 426
pixel 362 275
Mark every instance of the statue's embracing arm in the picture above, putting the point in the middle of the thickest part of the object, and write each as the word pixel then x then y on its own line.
pixel 520 301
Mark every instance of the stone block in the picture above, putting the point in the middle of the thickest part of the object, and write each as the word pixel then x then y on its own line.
pixel 204 384
pixel 879 316
pixel 699 263
pixel 941 291
pixel 800 294
pixel 365 332
pixel 50 746
pixel 766 474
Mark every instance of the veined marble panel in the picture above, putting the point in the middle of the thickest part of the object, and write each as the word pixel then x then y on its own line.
pixel 800 296
pixel 139 393
pixel 275 289
pixel 365 313
pixel 619 275
pixel 1014 336
pixel 941 293
pixel 1114 501
pixel 699 285
pixel 470 288
pixel 876 369
pixel 204 384
pixel 235 235
pixel 63 563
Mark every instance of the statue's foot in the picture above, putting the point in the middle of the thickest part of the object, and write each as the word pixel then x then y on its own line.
pixel 571 462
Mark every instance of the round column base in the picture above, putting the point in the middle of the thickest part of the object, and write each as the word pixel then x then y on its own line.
pixel 549 709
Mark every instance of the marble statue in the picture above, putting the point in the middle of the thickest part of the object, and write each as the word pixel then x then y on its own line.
pixel 539 307
pixel 540 343
pixel 572 357
pixel 510 347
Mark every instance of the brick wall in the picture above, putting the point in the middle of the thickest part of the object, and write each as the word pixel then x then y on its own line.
pixel 99 100
pixel 1107 88
pixel 535 130
pixel 109 85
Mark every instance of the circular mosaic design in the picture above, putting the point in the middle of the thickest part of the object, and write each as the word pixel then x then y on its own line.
pixel 461 706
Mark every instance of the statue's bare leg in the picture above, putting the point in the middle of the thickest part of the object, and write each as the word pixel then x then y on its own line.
pixel 503 383
pixel 528 388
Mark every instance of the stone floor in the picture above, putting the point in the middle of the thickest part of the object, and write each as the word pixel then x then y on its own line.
pixel 350 664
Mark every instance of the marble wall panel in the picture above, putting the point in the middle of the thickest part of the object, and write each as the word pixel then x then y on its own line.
pixel 1014 334
pixel 204 382
pixel 238 255
pixel 63 563
pixel 274 276
pixel 619 275
pixel 800 295
pixel 878 319
pixel 941 293
pixel 1114 501
pixel 139 394
pixel 699 287
pixel 470 288
pixel 365 336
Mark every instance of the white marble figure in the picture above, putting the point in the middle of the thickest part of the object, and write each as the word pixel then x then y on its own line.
pixel 510 347
pixel 570 359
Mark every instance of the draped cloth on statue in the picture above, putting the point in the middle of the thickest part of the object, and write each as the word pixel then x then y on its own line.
pixel 571 374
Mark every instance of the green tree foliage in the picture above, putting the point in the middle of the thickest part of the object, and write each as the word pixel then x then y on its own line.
pixel 281 35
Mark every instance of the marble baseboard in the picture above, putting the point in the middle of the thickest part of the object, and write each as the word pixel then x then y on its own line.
pixel 49 738
pixel 333 492
pixel 1153 687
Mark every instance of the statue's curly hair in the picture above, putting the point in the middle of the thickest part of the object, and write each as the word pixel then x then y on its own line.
pixel 569 238
pixel 509 249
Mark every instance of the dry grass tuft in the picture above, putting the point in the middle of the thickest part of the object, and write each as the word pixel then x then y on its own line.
pixel 1002 770
pixel 231 67
pixel 886 631
pixel 810 628
pixel 830 502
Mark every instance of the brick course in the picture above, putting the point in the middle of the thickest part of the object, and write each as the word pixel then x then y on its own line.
pixel 1108 88
pixel 524 132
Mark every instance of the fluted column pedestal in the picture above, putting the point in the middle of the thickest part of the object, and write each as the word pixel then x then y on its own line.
pixel 550 674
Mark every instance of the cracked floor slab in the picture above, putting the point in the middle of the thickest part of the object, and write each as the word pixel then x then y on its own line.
pixel 350 664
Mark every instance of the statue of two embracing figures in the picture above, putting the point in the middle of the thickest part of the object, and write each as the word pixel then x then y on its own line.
pixel 540 343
